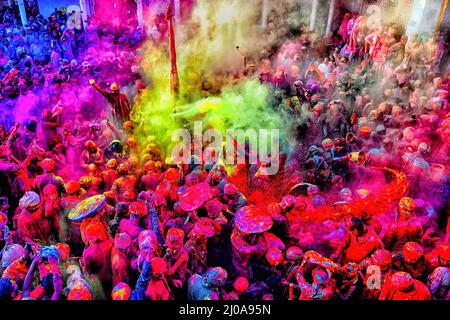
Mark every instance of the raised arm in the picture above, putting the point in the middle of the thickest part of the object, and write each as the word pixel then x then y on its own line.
pixel 299 276
pixel 99 89
pixel 57 278
pixel 144 279
pixel 155 223
pixel 26 289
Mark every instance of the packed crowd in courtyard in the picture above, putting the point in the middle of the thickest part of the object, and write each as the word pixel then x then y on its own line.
pixel 358 210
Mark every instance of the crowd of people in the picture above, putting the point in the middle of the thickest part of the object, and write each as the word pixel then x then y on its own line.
pixel 86 213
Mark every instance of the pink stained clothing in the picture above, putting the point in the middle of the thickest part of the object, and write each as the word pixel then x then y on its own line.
pixel 243 252
pixel 418 292
pixel 109 176
pixel 400 232
pixel 359 248
pixel 88 158
pixel 150 181
pixel 120 266
pixel 132 228
pixel 158 289
pixel 97 259
pixel 123 184
pixel 177 264
pixel 32 225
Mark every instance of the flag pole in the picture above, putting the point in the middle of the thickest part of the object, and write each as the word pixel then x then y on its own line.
pixel 174 80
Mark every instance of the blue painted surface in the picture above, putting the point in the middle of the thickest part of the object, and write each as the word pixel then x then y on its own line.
pixel 48 6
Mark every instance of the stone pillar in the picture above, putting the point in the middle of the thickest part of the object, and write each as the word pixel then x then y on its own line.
pixel 83 13
pixel 312 21
pixel 330 16
pixel 23 13
pixel 425 15
pixel 265 12
pixel 140 13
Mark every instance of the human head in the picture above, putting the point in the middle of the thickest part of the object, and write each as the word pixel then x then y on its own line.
pixel 294 254
pixel 274 256
pixel 90 146
pixel 437 82
pixel 229 191
pixel 356 226
pixel 240 284
pixel 346 194
pixel 93 231
pixel 129 195
pixel 287 203
pixel 111 164
pixel 121 291
pixel 412 252
pixel 174 238
pixel 58 148
pixel 350 270
pixel 149 166
pixel 79 292
pixel 382 258
pixel 123 168
pixel 402 281
pixel 138 209
pixel 115 88
pixel 121 209
pixel 317 109
pixel 4 204
pixel 313 190
pixel 85 182
pixel 30 201
pixel 215 277
pixel 50 192
pixel 267 296
pixel 191 179
pixel 320 276
pixel 63 250
pixel 214 208
pixel 217 172
pixel 396 110
pixel 409 134
pixel 92 168
pixel 443 252
pixel 3 151
pixel 406 207
pixel 423 148
pixel 48 165
pixel 8 288
pixel 122 241
pixel 11 253
pixel 159 266
pixel 327 144
pixel 128 126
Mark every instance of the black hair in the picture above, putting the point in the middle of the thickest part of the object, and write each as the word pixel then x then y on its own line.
pixel 6 289
pixel 31 125
pixel 47 284
pixel 121 209
pixel 357 224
